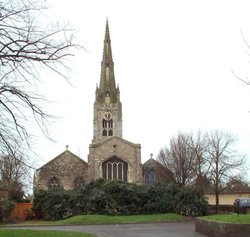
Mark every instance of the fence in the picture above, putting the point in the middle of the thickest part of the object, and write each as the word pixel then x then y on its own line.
pixel 22 211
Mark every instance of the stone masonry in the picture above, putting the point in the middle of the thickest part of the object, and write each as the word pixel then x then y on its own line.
pixel 66 168
pixel 115 146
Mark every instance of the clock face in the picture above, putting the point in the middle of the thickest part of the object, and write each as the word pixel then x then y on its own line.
pixel 107 115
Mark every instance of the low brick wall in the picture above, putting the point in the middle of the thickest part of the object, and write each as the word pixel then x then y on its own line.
pixel 221 229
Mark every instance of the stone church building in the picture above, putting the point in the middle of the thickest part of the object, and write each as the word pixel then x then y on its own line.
pixel 110 155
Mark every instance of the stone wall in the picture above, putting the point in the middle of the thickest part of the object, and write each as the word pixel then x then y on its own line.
pixel 65 167
pixel 221 229
pixel 115 146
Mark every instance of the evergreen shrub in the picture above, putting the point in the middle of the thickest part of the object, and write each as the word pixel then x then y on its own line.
pixel 190 202
pixel 6 207
pixel 119 198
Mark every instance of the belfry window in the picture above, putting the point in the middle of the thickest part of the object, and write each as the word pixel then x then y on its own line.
pixel 115 168
pixel 104 128
pixel 54 183
pixel 107 128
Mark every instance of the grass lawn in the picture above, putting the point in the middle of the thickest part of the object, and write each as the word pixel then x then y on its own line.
pixel 41 233
pixel 230 218
pixel 104 219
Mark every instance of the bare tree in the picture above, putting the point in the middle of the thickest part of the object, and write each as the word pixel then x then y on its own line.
pixel 247 51
pixel 206 160
pixel 199 145
pixel 223 160
pixel 179 159
pixel 29 44
pixel 13 175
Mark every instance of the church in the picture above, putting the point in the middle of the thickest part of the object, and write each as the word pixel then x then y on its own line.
pixel 110 156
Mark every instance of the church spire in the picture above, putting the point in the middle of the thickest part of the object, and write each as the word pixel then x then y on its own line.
pixel 107 35
pixel 107 89
pixel 107 106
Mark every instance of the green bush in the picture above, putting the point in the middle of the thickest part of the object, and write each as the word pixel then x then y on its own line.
pixel 6 207
pixel 190 202
pixel 119 198
pixel 52 205
pixel 123 198
pixel 161 198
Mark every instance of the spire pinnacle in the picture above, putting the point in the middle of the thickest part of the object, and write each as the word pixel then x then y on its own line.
pixel 107 86
pixel 107 36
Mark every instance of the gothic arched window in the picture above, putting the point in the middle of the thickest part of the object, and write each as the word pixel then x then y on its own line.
pixel 107 128
pixel 115 168
pixel 54 183
pixel 78 182
pixel 150 178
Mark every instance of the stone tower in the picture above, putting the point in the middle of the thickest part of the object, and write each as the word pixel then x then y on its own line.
pixel 107 106
pixel 111 156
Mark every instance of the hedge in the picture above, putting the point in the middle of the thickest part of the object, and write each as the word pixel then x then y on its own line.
pixel 119 198
pixel 6 207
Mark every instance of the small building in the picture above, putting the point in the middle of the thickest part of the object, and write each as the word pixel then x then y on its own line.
pixel 227 197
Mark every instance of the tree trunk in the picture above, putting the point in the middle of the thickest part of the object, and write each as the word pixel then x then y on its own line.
pixel 216 201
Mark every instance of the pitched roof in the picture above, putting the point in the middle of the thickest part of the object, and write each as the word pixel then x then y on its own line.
pixel 163 173
pixel 61 155
pixel 108 139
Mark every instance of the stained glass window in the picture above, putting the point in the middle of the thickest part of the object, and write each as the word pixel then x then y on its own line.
pixel 115 168
pixel 54 183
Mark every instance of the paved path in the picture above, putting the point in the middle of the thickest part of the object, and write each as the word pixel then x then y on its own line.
pixel 180 229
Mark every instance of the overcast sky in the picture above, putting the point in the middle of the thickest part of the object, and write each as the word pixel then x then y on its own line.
pixel 173 63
